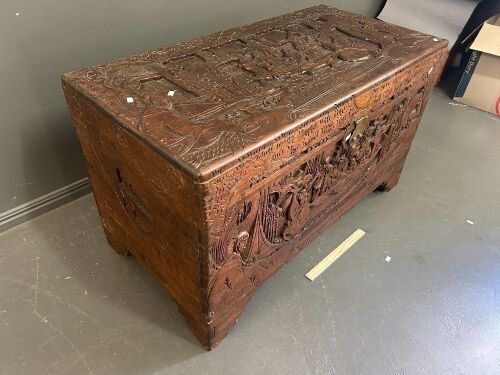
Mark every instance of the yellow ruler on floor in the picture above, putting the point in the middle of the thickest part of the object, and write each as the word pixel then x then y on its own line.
pixel 335 254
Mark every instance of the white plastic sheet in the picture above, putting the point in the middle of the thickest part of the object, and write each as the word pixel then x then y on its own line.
pixel 443 18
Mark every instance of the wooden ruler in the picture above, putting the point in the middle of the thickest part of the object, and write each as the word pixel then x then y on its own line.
pixel 335 254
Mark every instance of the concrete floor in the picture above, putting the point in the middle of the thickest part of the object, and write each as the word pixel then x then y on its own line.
pixel 69 305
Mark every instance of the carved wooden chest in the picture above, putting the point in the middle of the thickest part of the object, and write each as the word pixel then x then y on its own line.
pixel 215 161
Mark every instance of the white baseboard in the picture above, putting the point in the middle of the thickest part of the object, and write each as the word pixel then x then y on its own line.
pixel 40 205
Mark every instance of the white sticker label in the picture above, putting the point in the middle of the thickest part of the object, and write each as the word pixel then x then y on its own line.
pixel 130 99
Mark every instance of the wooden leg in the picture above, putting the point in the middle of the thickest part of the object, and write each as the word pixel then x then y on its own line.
pixel 116 246
pixel 390 183
pixel 392 177
pixel 201 329
pixel 210 332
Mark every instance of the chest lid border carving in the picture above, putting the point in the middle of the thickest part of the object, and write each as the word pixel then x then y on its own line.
pixel 240 89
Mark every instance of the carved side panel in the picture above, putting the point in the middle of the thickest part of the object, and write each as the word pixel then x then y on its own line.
pixel 147 206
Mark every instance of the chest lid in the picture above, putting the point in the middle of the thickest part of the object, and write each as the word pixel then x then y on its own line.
pixel 206 103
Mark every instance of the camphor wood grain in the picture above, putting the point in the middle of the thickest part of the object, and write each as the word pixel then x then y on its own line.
pixel 273 131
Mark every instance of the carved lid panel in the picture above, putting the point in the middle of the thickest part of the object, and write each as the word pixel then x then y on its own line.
pixel 207 102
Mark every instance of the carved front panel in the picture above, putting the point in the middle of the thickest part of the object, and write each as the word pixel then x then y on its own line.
pixel 255 228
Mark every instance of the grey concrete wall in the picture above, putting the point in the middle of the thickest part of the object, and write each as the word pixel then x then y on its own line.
pixel 41 39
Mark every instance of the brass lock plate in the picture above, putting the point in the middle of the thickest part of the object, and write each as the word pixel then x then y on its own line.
pixel 358 126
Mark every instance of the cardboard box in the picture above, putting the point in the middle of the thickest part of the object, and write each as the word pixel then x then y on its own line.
pixel 480 83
